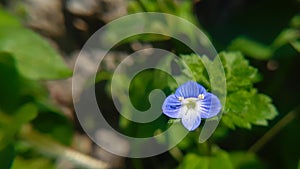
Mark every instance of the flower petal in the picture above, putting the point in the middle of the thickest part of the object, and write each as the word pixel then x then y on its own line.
pixel 210 106
pixel 171 106
pixel 190 89
pixel 190 118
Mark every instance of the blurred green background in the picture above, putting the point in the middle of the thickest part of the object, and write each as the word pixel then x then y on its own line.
pixel 258 42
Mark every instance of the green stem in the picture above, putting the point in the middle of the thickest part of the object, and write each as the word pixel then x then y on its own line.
pixel 273 131
pixel 176 154
pixel 142 5
pixel 50 147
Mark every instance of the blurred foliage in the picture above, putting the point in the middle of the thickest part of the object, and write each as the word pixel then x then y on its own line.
pixel 27 60
pixel 288 36
pixel 15 40
pixel 33 163
pixel 217 160
pixel 178 8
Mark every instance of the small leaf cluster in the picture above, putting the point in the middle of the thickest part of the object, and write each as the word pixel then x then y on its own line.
pixel 244 105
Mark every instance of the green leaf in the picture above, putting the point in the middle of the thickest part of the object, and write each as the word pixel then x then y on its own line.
pixel 10 83
pixel 244 108
pixel 33 163
pixel 219 160
pixel 11 123
pixel 260 51
pixel 26 113
pixel 62 130
pixel 239 74
pixel 286 36
pixel 7 19
pixel 251 48
pixel 35 58
pixel 14 87
pixel 296 45
pixel 244 160
pixel 295 22
pixel 195 69
pixel 7 155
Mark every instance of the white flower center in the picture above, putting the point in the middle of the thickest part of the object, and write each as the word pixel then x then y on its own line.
pixel 190 103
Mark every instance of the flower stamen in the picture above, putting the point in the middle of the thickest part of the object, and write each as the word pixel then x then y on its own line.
pixel 180 98
pixel 201 96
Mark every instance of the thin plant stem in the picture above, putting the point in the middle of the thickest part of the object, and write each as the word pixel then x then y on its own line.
pixel 176 154
pixel 54 149
pixel 142 5
pixel 273 131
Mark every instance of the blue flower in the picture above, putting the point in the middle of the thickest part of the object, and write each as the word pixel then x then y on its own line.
pixel 190 103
